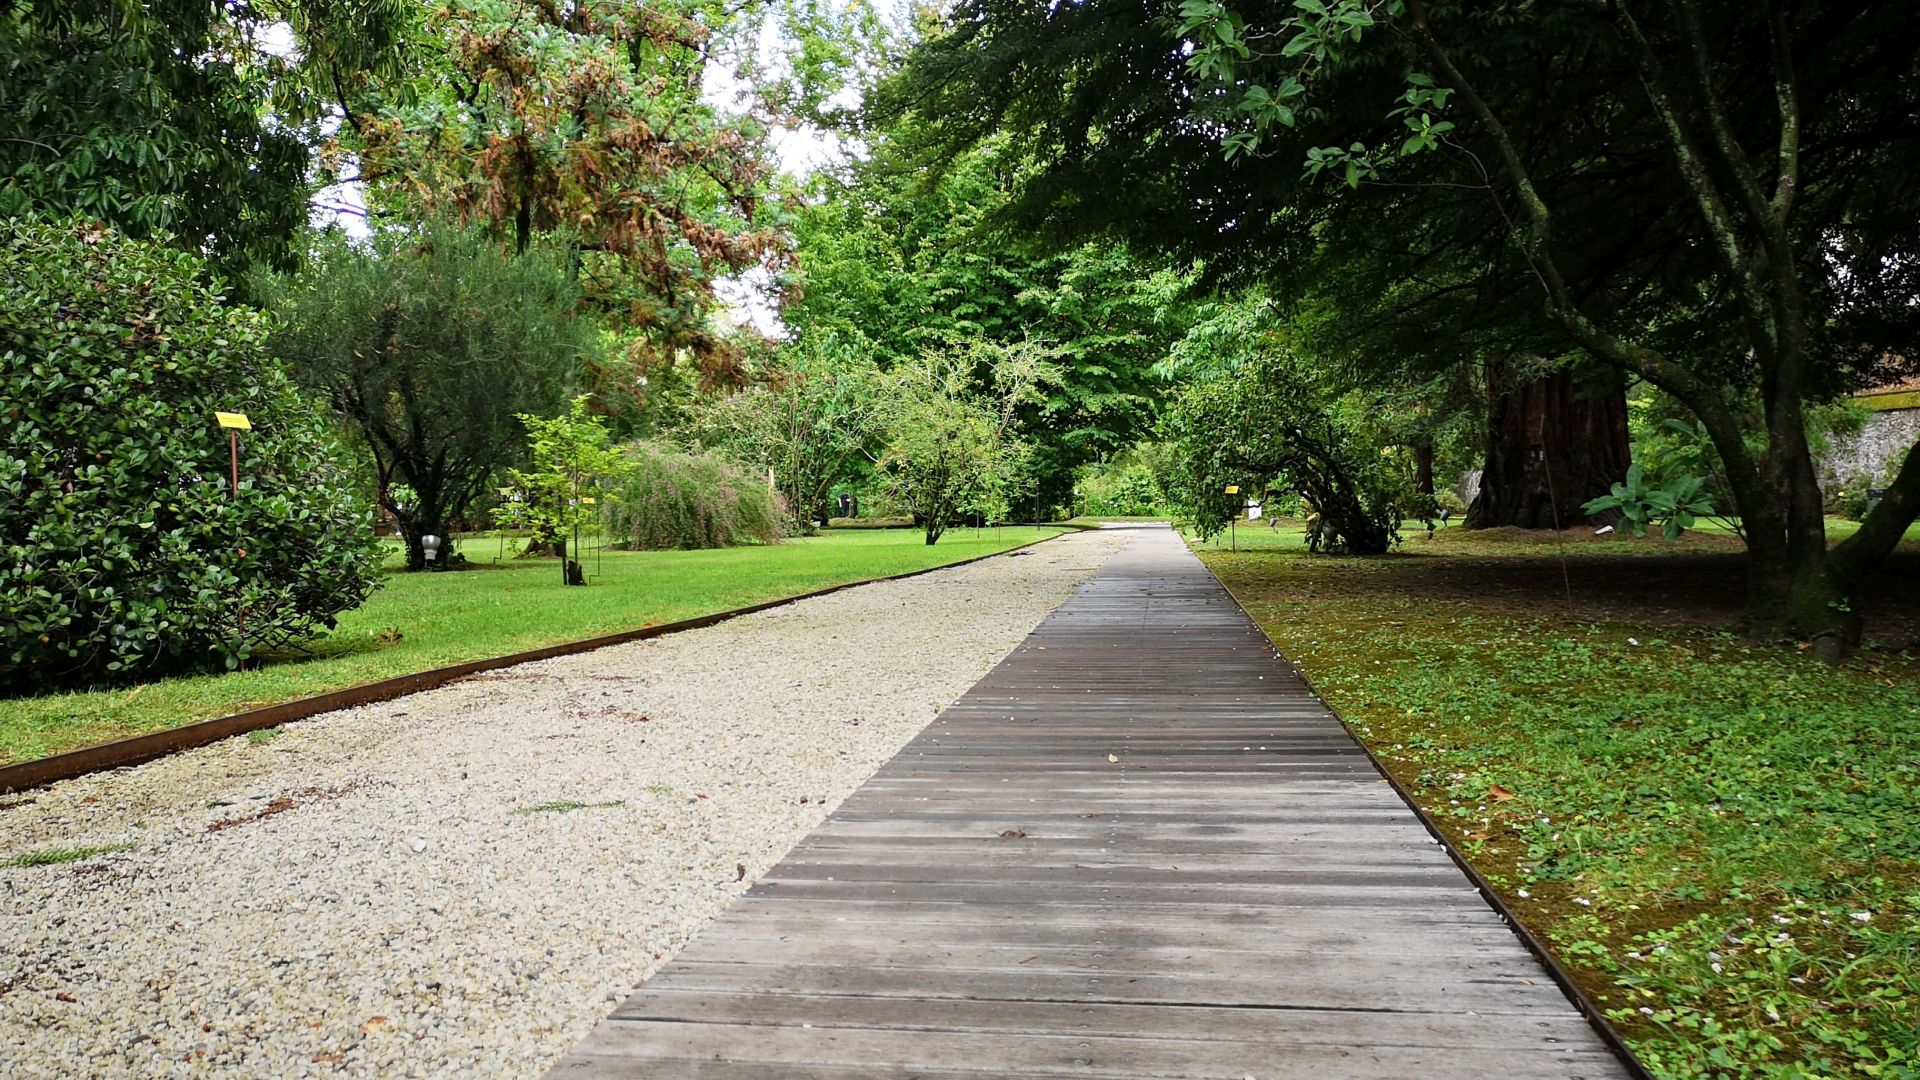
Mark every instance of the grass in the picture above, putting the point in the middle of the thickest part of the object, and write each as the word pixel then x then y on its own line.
pixel 422 621
pixel 56 856
pixel 1721 840
pixel 566 805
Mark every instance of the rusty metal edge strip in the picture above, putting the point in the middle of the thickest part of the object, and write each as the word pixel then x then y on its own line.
pixel 1589 1010
pixel 140 749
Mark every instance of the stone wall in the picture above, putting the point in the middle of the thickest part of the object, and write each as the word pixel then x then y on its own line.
pixel 1875 451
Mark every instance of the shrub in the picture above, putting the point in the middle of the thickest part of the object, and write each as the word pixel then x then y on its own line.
pixel 1276 425
pixel 125 552
pixel 673 498
pixel 1128 486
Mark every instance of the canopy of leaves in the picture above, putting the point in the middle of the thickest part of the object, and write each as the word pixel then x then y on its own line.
pixel 169 119
pixel 897 263
pixel 806 419
pixel 1271 426
pixel 948 445
pixel 586 124
pixel 126 552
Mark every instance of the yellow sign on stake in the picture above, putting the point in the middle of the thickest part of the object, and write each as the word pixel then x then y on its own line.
pixel 1233 489
pixel 234 420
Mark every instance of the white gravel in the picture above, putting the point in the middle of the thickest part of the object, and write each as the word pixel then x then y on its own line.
pixel 374 893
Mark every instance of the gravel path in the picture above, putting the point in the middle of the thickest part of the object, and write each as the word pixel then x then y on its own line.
pixel 463 882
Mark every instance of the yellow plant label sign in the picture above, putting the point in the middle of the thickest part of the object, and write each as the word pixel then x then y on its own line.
pixel 1233 489
pixel 234 420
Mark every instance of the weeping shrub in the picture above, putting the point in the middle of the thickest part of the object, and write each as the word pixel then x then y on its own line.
pixel 679 499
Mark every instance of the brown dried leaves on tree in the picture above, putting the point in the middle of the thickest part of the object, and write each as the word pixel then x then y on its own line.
pixel 585 123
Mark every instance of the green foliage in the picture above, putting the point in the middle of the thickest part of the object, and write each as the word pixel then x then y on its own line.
pixel 892 263
pixel 1270 425
pixel 125 551
pixel 1748 251
pixel 61 856
pixel 672 498
pixel 431 343
pixel 573 465
pixel 806 419
pixel 1718 838
pixel 585 126
pixel 1674 506
pixel 948 447
pixel 155 116
pixel 1131 485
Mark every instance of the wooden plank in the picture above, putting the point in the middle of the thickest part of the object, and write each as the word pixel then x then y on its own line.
pixel 667 1046
pixel 1138 847
pixel 1331 1027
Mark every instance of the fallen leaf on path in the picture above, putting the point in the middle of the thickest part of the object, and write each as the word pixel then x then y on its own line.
pixel 1113 758
pixel 739 871
pixel 375 1024
pixel 1014 834
pixel 63 996
pixel 1499 794
pixel 1096 813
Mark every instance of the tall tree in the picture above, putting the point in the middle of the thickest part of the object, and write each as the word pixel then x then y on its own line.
pixel 899 262
pixel 805 418
pixel 590 125
pixel 173 117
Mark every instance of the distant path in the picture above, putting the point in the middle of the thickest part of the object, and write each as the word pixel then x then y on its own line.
pixel 1139 847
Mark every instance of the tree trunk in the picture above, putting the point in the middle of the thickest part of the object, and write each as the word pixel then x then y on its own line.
pixel 1423 466
pixel 1549 451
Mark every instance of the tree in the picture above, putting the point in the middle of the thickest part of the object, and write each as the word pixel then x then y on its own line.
pixel 897 263
pixel 431 343
pixel 566 481
pixel 1705 196
pixel 806 420
pixel 171 119
pixel 949 447
pixel 129 551
pixel 1553 445
pixel 585 126
pixel 1271 425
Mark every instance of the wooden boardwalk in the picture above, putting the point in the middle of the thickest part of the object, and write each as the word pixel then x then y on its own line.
pixel 1138 848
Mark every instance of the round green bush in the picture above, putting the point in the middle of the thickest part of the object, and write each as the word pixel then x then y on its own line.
pixel 125 551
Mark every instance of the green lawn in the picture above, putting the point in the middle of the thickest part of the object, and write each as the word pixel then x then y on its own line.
pixel 1721 840
pixel 422 621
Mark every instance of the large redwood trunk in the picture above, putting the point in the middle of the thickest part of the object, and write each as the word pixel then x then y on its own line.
pixel 1550 448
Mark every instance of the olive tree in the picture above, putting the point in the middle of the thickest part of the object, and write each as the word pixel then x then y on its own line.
pixel 431 342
